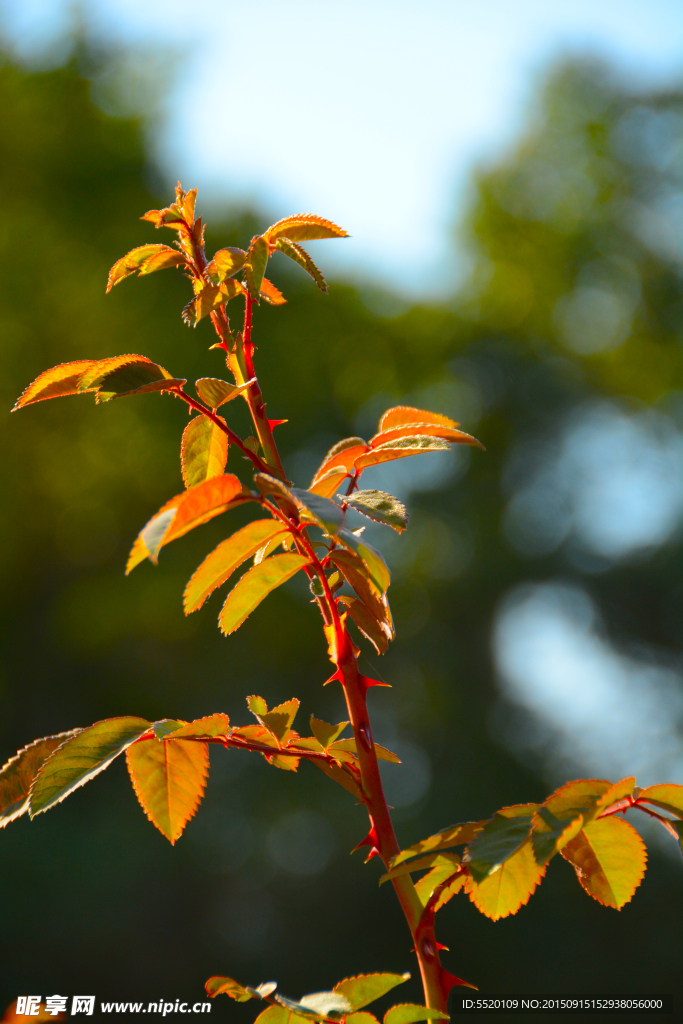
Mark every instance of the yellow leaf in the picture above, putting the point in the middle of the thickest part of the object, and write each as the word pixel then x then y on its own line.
pixel 666 795
pixel 203 451
pixel 144 260
pixel 609 858
pixel 168 777
pixel 254 586
pixel 509 887
pixel 304 227
pixel 55 383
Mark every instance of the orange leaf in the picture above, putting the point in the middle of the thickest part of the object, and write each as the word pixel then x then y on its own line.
pixel 59 381
pixel 422 430
pixel 212 725
pixel 304 227
pixel 609 858
pixel 272 295
pixel 203 450
pixel 402 414
pixel 327 484
pixel 337 458
pixel 168 777
pixel 144 260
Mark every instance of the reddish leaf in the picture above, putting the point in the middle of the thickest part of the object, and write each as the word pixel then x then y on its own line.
pixel 273 296
pixel 225 264
pixel 168 777
pixel 377 631
pixel 343 454
pixel 423 430
pixel 203 451
pixel 328 483
pixel 400 415
pixel 56 383
pixel 400 449
pixel 212 725
pixel 609 858
pixel 144 260
pixel 18 774
pixel 217 986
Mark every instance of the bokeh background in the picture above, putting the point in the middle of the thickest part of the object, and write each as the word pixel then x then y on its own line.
pixel 514 188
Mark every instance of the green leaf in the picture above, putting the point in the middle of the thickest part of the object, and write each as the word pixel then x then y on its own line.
pixel 333 771
pixel 168 777
pixel 255 266
pixel 226 263
pixel 380 506
pixel 365 988
pixel 326 512
pixel 326 733
pixel 439 874
pixel 215 392
pixel 166 727
pixel 257 706
pixel 279 720
pixel 667 795
pixel 408 1013
pixel 551 834
pixel 17 775
pixel 457 835
pixel 300 256
pixel 350 745
pixel 587 797
pixel 256 584
pixel 217 986
pixel 219 565
pixel 203 450
pixel 430 860
pixel 499 839
pixel 362 1017
pixel 609 858
pixel 373 560
pixel 145 259
pixel 81 758
pixel 281 1015
pixel 304 227
pixel 508 887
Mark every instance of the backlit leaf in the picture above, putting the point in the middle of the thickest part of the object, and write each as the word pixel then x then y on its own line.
pixel 422 430
pixel 361 1017
pixel 342 777
pixel 342 454
pixel 281 1015
pixel 212 725
pixel 255 265
pixel 457 835
pixel 214 392
pixel 327 512
pixel 408 1013
pixel 203 451
pixel 440 873
pixel 17 775
pixel 217 986
pixel 257 705
pixel 350 745
pixel 325 1003
pixel 130 378
pixel 219 565
pixel 226 263
pixel 304 227
pixel 55 383
pixel 667 795
pixel 166 727
pixel 380 506
pixel 609 858
pixel 587 797
pixel 270 294
pixel 168 777
pixel 326 733
pixel 145 260
pixel 430 860
pixel 256 584
pixel 509 887
pixel 449 891
pixel 289 248
pixel 268 485
pixel 171 216
pixel 400 415
pixel 551 834
pixel 375 631
pixel 81 758
pixel 328 483
pixel 356 572
pixel 365 988
pixel 372 559
pixel 400 449
pixel 499 839
pixel 279 719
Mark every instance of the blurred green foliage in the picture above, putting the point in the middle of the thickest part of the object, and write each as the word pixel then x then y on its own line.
pixel 575 297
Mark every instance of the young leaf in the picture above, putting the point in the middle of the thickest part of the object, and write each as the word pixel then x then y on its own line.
pixel 509 887
pixel 168 777
pixel 256 584
pixel 257 706
pixel 667 795
pixel 17 775
pixel 375 630
pixel 401 415
pixel 279 720
pixel 500 837
pixel 217 986
pixel 81 758
pixel 582 796
pixel 408 1013
pixel 373 561
pixel 304 227
pixel 342 777
pixel 609 858
pixel 214 392
pixel 209 297
pixel 349 746
pixel 365 988
pixel 55 383
pixel 458 835
pixel 326 733
pixel 422 430
pixel 300 256
pixel 212 725
pixel 255 266
pixel 380 506
pixel 203 451
pixel 270 294
pixel 228 556
pixel 226 263
pixel 144 260
pixel 356 573
pixel 400 449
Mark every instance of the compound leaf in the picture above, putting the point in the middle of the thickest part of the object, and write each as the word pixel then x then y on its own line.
pixel 228 556
pixel 168 777
pixel 203 451
pixel 81 758
pixel 365 988
pixel 254 586
pixel 279 720
pixel 609 858
pixel 380 506
pixel 304 227
pixel 507 888
pixel 17 775
pixel 400 415
pixel 408 1013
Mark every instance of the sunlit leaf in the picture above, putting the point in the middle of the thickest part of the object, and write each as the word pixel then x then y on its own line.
pixel 270 485
pixel 219 565
pixel 81 758
pixel 56 383
pixel 372 559
pixel 304 227
pixel 171 216
pixel 279 719
pixel 365 988
pixel 400 415
pixel 342 454
pixel 255 265
pixel 215 392
pixel 356 572
pixel 325 1003
pixel 375 630
pixel 326 733
pixel 408 1013
pixel 499 839
pixel 328 483
pixel 187 202
pixel 257 705
pixel 422 430
pixel 350 745
pixel 609 858
pixel 440 873
pixel 342 777
pixel 281 1015
pixel 508 887
pixel 168 777
pixel 380 506
pixel 134 377
pixel 144 260
pixel 400 449
pixel 457 835
pixel 166 727
pixel 449 891
pixel 217 986
pixel 361 1017
pixel 17 775
pixel 270 294
pixel 209 297
pixel 552 834
pixel 430 860
pixel 587 797
pixel 267 549
pixel 326 512
pixel 256 584
pixel 289 248
pixel 226 263
pixel 212 725
pixel 203 451
pixel 667 795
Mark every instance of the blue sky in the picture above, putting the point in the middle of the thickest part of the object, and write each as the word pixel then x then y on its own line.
pixel 369 112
